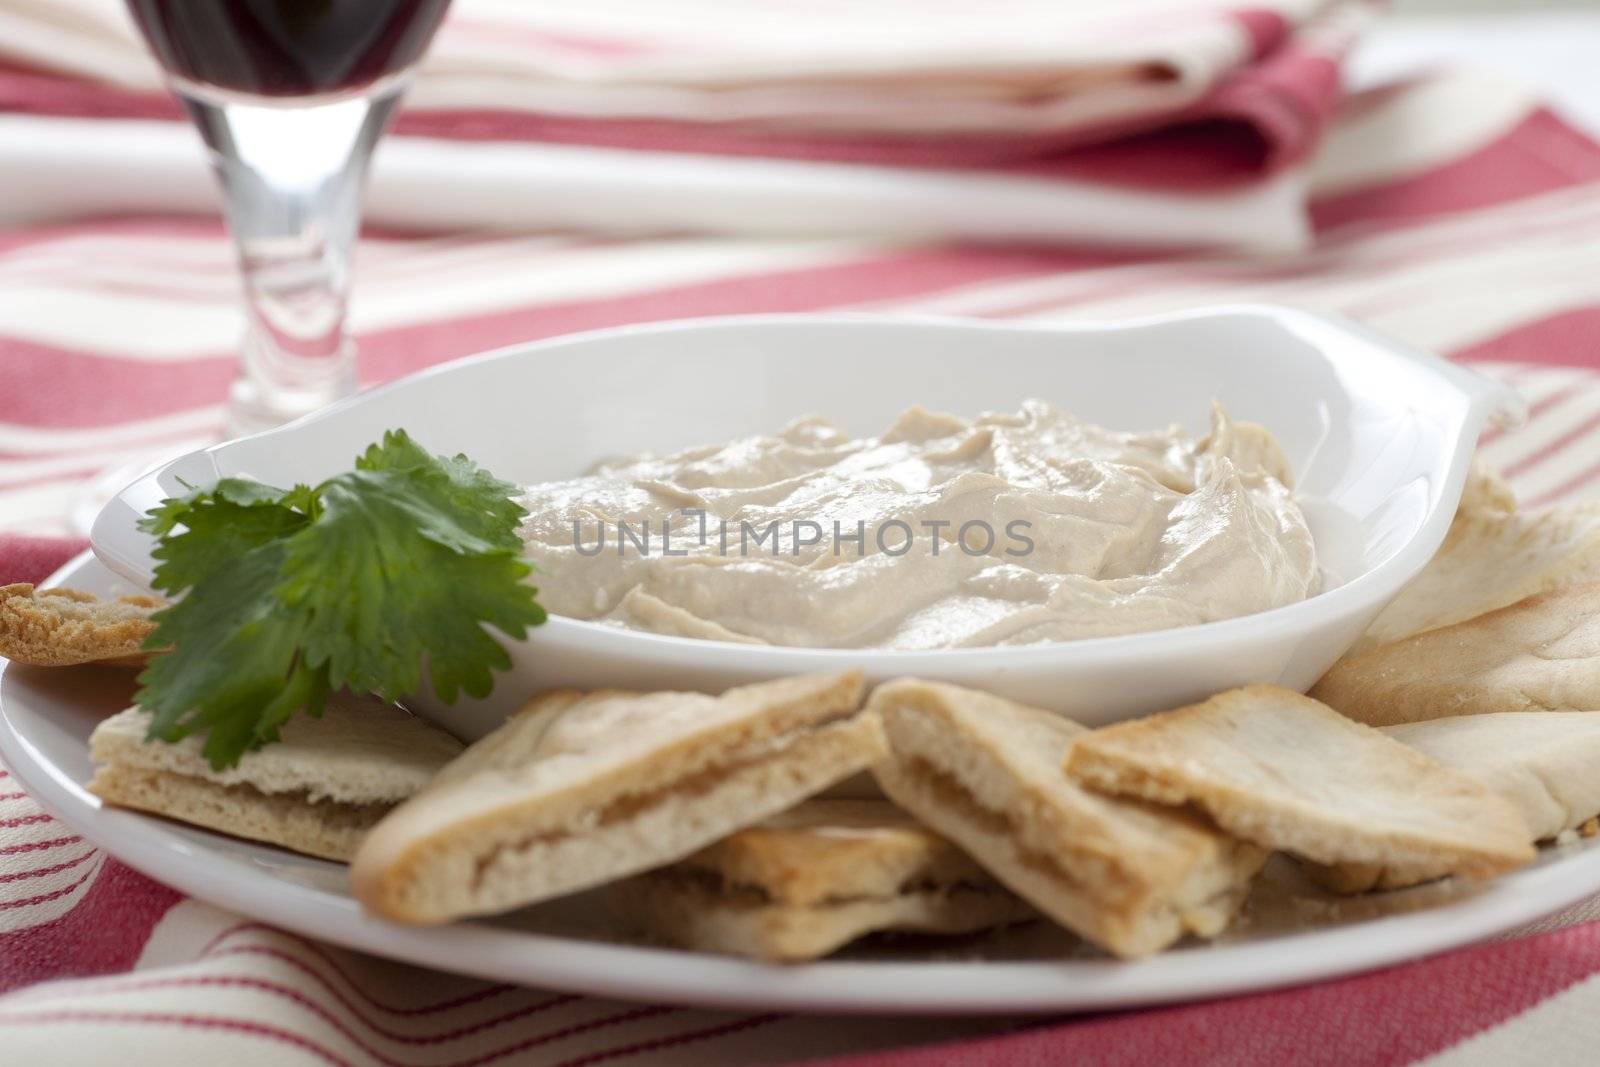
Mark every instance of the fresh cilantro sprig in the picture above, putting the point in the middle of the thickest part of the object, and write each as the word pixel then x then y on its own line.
pixel 290 594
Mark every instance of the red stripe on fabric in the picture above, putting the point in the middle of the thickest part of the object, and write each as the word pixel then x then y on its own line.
pixel 182 1020
pixel 12 796
pixel 1540 154
pixel 431 1009
pixel 294 996
pixel 688 1037
pixel 1257 120
pixel 1154 273
pixel 1287 99
pixel 1259 117
pixel 1198 155
pixel 1383 1019
pixel 217 1022
pixel 387 354
pixel 210 946
pixel 39 846
pixel 45 898
pixel 31 91
pixel 1567 488
pixel 620 1019
pixel 24 820
pixel 60 96
pixel 187 1020
pixel 48 386
pixel 317 950
pixel 988 151
pixel 41 872
pixel 1249 104
pixel 103 933
pixel 354 1012
pixel 1569 339
pixel 1553 447
pixel 33 559
pixel 1222 144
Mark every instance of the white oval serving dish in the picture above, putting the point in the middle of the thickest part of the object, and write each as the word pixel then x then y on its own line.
pixel 1379 436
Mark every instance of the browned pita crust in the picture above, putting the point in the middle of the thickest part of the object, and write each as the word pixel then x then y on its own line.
pixel 66 627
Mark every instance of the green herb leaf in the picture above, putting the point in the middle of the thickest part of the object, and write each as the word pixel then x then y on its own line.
pixel 480 503
pixel 355 583
pixel 391 530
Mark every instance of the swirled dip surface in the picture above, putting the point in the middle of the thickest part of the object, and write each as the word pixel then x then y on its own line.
pixel 1128 532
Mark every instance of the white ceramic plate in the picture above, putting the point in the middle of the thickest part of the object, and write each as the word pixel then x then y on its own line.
pixel 46 717
pixel 1379 437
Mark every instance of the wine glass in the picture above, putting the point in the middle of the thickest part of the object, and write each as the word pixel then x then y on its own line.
pixel 290 98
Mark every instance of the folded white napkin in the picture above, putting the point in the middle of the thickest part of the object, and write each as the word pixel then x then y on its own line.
pixel 875 117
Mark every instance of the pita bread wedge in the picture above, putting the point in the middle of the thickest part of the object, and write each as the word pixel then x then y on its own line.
pixel 577 790
pixel 1540 654
pixel 1286 772
pixel 67 627
pixel 326 782
pixel 986 773
pixel 1542 762
pixel 1490 559
pixel 812 879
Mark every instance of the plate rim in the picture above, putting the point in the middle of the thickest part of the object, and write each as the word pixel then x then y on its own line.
pixel 179 857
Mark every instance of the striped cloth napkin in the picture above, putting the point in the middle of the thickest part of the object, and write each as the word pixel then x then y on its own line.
pixel 1016 119
pixel 1451 211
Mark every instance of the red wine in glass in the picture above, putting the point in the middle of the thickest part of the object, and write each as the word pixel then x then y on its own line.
pixel 287 48
pixel 290 97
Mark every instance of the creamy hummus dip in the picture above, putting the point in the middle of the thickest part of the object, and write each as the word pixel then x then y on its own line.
pixel 1006 529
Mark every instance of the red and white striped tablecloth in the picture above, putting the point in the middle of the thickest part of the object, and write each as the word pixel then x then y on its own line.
pixel 1451 211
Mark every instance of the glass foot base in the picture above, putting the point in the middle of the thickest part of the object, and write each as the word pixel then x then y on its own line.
pixel 249 413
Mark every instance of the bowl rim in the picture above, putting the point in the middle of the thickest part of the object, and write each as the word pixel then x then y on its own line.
pixel 1485 400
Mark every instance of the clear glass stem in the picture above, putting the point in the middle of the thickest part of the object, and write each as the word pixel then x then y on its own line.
pixel 291 181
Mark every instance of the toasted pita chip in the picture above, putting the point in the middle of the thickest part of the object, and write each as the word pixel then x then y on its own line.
pixel 578 790
pixel 813 879
pixel 326 782
pixel 1286 772
pixel 1542 762
pixel 1490 559
pixel 986 773
pixel 66 627
pixel 1539 654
